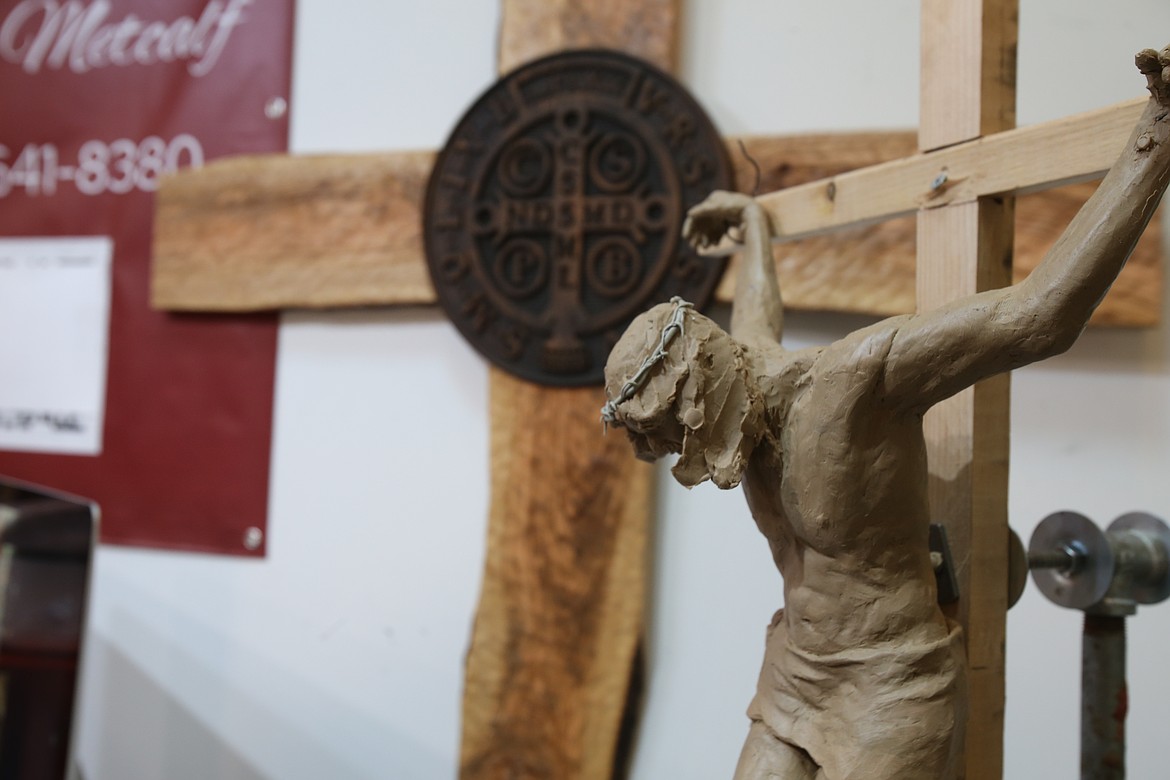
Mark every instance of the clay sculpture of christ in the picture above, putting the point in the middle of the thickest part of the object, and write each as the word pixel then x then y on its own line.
pixel 863 676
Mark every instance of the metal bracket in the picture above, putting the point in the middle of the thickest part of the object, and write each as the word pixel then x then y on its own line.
pixel 944 565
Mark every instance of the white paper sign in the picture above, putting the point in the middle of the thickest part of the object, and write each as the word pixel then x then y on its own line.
pixel 54 336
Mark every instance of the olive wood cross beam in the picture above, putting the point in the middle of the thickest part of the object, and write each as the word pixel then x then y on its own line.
pixel 549 673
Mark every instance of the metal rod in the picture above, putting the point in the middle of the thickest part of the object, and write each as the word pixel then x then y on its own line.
pixel 1069 558
pixel 1104 698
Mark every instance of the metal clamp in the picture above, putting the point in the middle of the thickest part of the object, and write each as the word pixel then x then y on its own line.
pixel 1076 565
pixel 1105 574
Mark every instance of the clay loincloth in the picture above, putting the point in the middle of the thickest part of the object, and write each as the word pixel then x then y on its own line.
pixel 883 712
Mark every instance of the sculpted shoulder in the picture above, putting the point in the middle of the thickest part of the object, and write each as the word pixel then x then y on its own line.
pixel 851 370
pixel 780 376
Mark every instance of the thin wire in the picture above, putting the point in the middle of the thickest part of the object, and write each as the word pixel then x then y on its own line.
pixel 635 383
pixel 756 165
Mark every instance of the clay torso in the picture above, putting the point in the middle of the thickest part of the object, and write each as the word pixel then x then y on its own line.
pixel 838 487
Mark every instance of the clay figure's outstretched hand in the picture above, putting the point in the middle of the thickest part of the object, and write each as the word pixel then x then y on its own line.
pixel 708 222
pixel 757 309
pixel 1156 68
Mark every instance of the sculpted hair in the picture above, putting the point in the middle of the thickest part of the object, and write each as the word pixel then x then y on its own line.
pixel 702 392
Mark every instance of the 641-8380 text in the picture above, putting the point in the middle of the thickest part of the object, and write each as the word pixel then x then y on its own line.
pixel 118 167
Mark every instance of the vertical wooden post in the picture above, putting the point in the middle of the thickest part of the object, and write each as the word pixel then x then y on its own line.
pixel 551 667
pixel 560 616
pixel 968 90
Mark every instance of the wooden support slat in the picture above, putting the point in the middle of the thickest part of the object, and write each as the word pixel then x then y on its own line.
pixel 968 448
pixel 968 89
pixel 255 233
pixel 1043 156
pixel 870 269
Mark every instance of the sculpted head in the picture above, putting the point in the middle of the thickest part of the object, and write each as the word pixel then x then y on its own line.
pixel 699 401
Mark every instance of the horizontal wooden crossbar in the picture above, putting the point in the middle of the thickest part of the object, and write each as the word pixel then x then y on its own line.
pixel 272 232
pixel 1065 151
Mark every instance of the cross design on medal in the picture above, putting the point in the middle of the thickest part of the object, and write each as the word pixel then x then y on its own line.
pixel 576 205
pixel 554 212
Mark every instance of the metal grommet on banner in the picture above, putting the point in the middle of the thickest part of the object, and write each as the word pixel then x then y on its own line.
pixel 276 107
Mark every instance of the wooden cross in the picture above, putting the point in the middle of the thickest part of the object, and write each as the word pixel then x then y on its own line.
pixel 242 235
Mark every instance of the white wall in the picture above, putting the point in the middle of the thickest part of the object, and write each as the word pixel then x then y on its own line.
pixel 340 656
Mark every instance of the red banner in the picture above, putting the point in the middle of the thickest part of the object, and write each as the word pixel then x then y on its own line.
pixel 98 99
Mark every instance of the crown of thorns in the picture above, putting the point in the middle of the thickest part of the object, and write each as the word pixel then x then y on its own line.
pixel 673 328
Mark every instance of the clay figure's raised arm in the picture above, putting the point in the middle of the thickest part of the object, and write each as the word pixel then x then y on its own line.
pixel 757 310
pixel 936 354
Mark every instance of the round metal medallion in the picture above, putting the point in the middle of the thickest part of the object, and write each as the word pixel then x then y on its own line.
pixel 552 215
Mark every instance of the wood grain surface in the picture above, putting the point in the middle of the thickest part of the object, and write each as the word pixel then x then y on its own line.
pixel 551 685
pixel 254 233
pixel 560 621
pixel 968 89
pixel 1063 151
